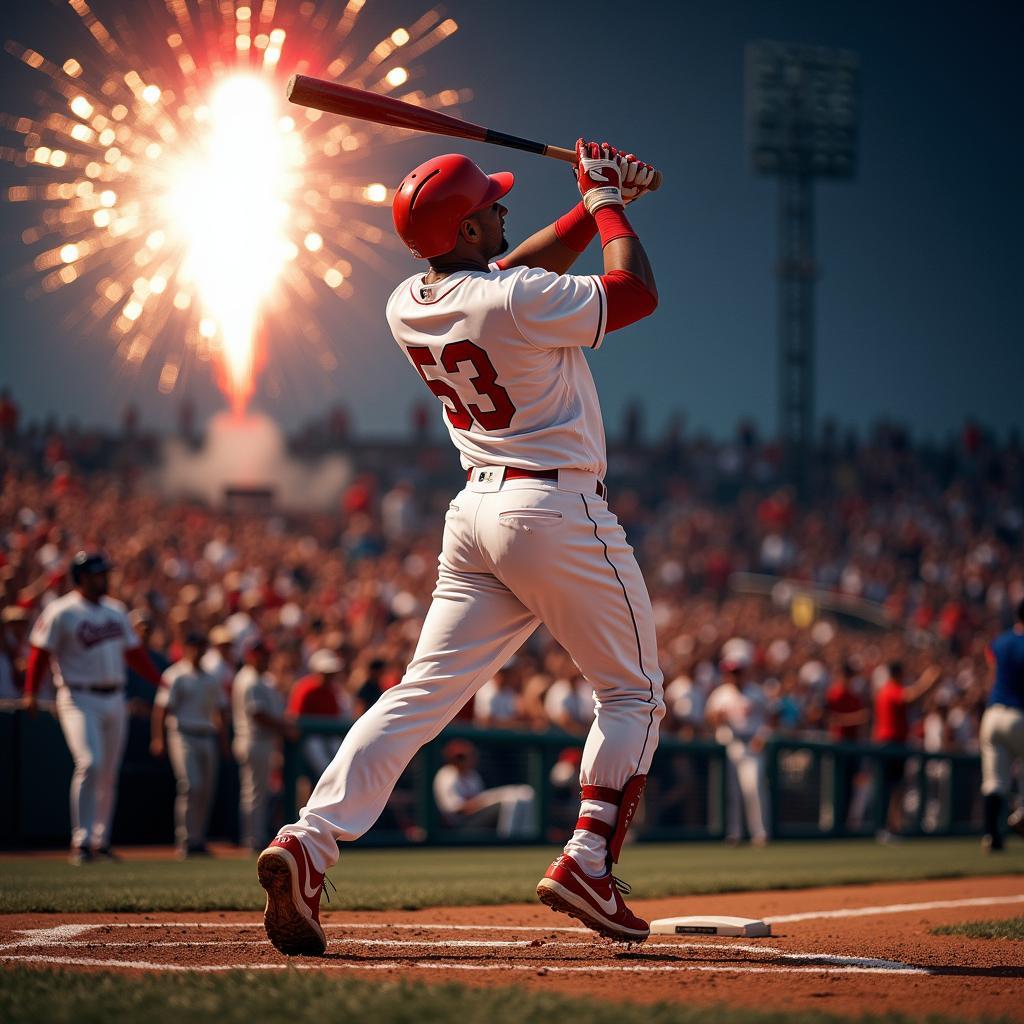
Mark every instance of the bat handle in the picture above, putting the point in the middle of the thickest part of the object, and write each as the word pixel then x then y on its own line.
pixel 569 156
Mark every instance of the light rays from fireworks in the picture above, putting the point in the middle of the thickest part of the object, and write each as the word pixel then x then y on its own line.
pixel 195 212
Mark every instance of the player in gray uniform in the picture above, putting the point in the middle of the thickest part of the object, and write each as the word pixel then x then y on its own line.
pixel 190 704
pixel 258 714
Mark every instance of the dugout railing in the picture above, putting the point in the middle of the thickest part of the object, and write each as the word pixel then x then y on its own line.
pixel 815 789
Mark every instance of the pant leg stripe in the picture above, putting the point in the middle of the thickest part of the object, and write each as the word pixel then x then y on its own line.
pixel 636 630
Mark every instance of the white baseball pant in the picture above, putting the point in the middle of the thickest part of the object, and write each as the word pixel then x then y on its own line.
pixel 1001 738
pixel 254 791
pixel 195 761
pixel 95 727
pixel 746 791
pixel 514 554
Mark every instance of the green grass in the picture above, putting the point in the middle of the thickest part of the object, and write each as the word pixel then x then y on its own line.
pixel 406 879
pixel 29 996
pixel 1011 928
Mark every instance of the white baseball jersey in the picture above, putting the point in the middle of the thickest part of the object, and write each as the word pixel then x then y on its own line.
pixel 192 697
pixel 87 639
pixel 520 393
pixel 253 693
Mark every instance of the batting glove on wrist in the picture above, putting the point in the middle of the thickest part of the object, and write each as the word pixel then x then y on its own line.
pixel 598 175
pixel 636 177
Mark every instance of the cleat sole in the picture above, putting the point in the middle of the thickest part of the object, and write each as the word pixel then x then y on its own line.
pixel 290 931
pixel 561 900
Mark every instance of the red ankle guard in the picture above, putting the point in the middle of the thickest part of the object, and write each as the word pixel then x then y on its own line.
pixel 627 800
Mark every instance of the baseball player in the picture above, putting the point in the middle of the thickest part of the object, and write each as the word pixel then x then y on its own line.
pixel 1002 732
pixel 500 341
pixel 258 710
pixel 190 702
pixel 86 638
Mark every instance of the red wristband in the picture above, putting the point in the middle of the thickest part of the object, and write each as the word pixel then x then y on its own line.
pixel 612 223
pixel 576 229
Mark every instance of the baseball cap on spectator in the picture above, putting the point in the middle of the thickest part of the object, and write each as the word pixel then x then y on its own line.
pixel 324 662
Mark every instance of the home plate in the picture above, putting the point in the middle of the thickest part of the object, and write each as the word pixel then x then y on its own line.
pixel 736 927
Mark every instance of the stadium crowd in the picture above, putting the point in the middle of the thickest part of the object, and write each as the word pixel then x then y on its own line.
pixel 774 614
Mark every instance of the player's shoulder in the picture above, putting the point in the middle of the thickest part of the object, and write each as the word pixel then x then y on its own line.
pixel 112 604
pixel 174 671
pixel 416 294
pixel 72 599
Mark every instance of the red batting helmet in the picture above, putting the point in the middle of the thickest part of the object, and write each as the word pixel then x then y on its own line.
pixel 437 196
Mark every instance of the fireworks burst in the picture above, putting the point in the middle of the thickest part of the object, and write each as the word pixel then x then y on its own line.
pixel 177 184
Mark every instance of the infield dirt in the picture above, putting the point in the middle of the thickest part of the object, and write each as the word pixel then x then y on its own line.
pixel 850 950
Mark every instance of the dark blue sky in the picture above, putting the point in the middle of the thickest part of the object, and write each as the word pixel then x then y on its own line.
pixel 919 308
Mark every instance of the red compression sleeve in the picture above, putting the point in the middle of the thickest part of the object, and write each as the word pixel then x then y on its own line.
pixel 576 229
pixel 628 298
pixel 138 660
pixel 38 663
pixel 612 223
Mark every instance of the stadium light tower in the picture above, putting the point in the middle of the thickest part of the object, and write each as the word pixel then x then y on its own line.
pixel 802 123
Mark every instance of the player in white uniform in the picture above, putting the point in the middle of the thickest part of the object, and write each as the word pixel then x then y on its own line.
pixel 86 638
pixel 530 539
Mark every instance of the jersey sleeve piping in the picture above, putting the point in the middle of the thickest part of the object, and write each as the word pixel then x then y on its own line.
pixel 602 313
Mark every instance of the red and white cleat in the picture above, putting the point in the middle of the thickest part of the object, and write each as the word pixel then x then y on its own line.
pixel 595 902
pixel 292 916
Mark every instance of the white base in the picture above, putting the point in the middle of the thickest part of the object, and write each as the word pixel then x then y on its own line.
pixel 736 927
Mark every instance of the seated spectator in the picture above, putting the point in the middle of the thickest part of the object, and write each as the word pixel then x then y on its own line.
pixel 464 802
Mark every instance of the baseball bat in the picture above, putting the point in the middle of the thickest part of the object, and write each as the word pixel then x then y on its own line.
pixel 370 106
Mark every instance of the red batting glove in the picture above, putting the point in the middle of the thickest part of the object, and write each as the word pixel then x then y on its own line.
pixel 598 175
pixel 636 177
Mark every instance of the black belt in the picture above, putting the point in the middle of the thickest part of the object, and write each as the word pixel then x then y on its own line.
pixel 85 688
pixel 512 473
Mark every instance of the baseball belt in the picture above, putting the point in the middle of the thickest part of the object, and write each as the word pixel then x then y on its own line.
pixel 512 473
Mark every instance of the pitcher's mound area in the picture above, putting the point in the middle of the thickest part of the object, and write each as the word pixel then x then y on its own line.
pixel 849 950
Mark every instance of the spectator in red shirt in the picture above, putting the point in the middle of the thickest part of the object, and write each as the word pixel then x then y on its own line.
pixel 845 710
pixel 316 694
pixel 846 714
pixel 892 728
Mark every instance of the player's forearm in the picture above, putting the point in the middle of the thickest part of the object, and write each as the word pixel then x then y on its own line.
pixel 622 248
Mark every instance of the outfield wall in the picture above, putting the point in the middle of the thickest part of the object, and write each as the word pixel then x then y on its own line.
pixel 814 789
